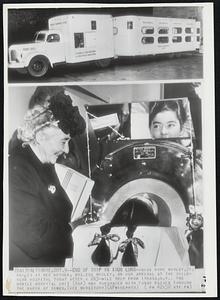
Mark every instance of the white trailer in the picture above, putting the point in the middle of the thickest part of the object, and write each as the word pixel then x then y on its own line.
pixel 135 35
pixel 70 39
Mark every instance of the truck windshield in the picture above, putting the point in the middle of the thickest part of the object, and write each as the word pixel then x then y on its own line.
pixel 39 37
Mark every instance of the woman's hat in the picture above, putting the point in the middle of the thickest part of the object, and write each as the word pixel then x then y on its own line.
pixel 56 111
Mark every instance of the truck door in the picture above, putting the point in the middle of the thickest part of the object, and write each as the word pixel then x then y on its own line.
pixel 55 48
pixel 85 45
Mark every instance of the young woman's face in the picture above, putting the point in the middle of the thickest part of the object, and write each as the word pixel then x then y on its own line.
pixel 165 125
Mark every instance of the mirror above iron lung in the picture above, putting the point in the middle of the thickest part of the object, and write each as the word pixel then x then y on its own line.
pixel 159 119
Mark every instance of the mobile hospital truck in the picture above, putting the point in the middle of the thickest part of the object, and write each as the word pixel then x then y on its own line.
pixel 83 37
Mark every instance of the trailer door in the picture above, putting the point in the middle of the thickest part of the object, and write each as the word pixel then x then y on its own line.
pixel 85 46
pixel 94 40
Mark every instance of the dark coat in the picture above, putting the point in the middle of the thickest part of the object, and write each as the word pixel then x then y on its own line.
pixel 39 213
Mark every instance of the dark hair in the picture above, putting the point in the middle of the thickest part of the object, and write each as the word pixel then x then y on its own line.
pixel 173 105
pixel 70 120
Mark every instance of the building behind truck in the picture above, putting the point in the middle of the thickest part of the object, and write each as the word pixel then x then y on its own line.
pixel 78 38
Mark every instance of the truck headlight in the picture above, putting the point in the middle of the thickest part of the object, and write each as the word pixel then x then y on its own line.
pixel 15 56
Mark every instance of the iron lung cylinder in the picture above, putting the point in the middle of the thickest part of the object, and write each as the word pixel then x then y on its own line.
pixel 147 187
pixel 162 169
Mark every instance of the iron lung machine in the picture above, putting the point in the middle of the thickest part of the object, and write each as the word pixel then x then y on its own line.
pixel 147 188
pixel 147 193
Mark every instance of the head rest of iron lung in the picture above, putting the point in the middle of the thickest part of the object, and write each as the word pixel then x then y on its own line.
pixel 136 212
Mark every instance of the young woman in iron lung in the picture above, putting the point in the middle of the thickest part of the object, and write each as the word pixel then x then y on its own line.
pixel 167 119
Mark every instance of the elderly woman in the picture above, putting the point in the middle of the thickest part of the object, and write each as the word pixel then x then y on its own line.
pixel 39 209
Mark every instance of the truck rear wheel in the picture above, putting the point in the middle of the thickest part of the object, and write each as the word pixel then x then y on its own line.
pixel 38 66
pixel 103 63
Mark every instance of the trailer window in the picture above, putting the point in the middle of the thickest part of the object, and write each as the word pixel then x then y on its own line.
pixel 129 25
pixel 147 30
pixel 93 25
pixel 188 38
pixel 147 40
pixel 163 39
pixel 197 30
pixel 79 40
pixel 53 38
pixel 188 30
pixel 177 30
pixel 163 30
pixel 177 39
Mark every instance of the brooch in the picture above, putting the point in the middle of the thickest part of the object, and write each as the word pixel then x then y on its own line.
pixel 52 189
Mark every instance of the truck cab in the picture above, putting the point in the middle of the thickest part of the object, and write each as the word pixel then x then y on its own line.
pixel 35 58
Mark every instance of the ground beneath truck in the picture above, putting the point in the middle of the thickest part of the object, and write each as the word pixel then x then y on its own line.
pixel 156 68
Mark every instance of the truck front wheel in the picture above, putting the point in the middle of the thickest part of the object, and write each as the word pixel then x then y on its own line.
pixel 38 66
